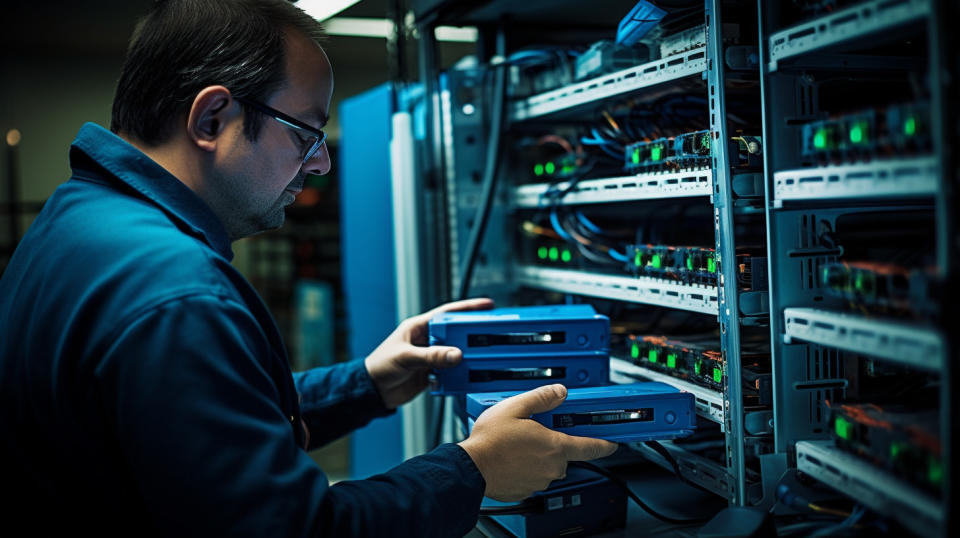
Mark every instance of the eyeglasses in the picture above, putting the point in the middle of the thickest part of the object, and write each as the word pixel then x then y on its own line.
pixel 308 138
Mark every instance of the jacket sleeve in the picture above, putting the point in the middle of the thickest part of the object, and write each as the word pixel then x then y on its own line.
pixel 197 422
pixel 336 400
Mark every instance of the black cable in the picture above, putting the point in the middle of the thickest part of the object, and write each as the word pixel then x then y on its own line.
pixel 623 485
pixel 660 449
pixel 489 179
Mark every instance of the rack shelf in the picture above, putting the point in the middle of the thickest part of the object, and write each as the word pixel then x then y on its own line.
pixel 897 341
pixel 645 75
pixel 915 177
pixel 691 297
pixel 858 21
pixel 709 403
pixel 872 486
pixel 688 183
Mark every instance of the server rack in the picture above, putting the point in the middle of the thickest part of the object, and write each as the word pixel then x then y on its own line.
pixel 808 345
pixel 817 340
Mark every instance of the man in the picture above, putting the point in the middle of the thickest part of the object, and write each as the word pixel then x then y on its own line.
pixel 145 389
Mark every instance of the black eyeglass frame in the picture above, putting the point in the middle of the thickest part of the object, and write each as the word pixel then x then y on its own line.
pixel 318 135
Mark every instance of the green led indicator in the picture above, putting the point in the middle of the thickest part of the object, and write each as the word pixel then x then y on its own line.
pixel 717 375
pixel 567 169
pixel 538 169
pixel 859 282
pixel 843 428
pixel 935 472
pixel 655 153
pixel 638 259
pixel 655 261
pixel 554 254
pixel 690 263
pixel 910 126
pixel 711 264
pixel 820 139
pixel 635 350
pixel 542 253
pixel 550 168
pixel 696 367
pixel 636 156
pixel 652 355
pixel 895 450
pixel 565 256
pixel 857 133
pixel 672 360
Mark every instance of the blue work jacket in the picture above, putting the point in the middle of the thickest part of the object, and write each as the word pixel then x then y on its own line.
pixel 145 389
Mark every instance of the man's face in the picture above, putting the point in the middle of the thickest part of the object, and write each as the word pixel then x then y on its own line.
pixel 259 179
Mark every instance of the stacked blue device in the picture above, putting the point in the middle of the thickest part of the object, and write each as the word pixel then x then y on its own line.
pixel 629 413
pixel 523 348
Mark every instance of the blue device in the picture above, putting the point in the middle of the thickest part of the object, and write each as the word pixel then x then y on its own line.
pixel 621 413
pixel 642 18
pixel 523 348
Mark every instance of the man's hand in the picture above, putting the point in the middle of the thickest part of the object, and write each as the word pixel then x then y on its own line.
pixel 518 456
pixel 400 365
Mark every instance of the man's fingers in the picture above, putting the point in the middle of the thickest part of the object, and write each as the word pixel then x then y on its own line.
pixel 478 303
pixel 586 448
pixel 538 400
pixel 430 357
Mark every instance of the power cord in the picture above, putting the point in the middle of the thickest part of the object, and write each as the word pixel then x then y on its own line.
pixel 489 188
pixel 665 454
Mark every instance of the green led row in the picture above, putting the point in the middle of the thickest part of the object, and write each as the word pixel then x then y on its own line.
pixel 858 133
pixel 550 167
pixel 553 254
pixel 671 361
pixel 846 429
pixel 656 262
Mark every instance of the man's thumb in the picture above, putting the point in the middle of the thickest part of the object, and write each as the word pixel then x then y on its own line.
pixel 539 400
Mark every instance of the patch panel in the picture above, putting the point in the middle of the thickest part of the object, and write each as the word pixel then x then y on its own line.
pixel 692 265
pixel 689 150
pixel 699 364
pixel 903 441
pixel 686 264
pixel 882 287
pixel 894 131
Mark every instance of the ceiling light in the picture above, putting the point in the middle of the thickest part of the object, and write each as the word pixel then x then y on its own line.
pixel 324 9
pixel 383 28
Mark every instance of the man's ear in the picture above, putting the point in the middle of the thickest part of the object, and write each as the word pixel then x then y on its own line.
pixel 208 116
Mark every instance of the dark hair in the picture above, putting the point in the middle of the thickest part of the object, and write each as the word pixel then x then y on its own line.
pixel 183 46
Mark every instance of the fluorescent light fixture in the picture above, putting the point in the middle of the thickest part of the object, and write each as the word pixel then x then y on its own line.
pixel 324 9
pixel 465 34
pixel 359 27
pixel 383 28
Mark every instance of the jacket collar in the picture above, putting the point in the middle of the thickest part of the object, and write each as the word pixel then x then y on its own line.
pixel 128 165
